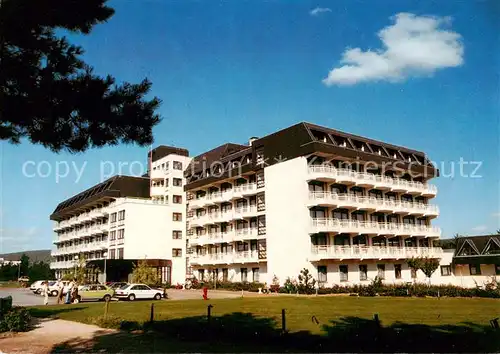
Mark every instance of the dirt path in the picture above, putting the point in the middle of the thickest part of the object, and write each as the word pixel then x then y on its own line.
pixel 47 334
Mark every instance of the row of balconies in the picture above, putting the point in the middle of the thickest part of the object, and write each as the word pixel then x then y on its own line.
pixel 86 247
pixel 223 237
pixel 218 217
pixel 370 180
pixel 372 204
pixel 67 264
pixel 224 196
pixel 82 218
pixel 85 232
pixel 226 258
pixel 372 252
pixel 372 227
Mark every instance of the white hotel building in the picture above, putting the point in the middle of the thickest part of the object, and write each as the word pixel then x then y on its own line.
pixel 345 207
pixel 125 219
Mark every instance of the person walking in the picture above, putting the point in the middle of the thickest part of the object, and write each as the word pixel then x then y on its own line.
pixel 70 290
pixel 60 291
pixel 45 291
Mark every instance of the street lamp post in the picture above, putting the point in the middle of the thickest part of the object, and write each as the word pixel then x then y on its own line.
pixel 105 255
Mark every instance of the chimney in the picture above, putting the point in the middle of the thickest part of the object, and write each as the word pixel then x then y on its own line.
pixel 251 140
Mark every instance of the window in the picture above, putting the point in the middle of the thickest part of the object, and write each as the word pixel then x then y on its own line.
pixel 121 234
pixel 413 273
pixel 112 254
pixel 255 275
pixel 343 270
pixel 244 274
pixel 101 287
pixel 120 253
pixel 201 274
pixel 112 235
pixel 497 269
pixel 177 182
pixel 177 216
pixel 113 217
pixel 176 252
pixel 177 235
pixel 121 215
pixel 363 272
pixel 322 274
pixel 397 271
pixel 475 269
pixel 177 165
pixel 225 273
pixel 445 270
pixel 381 271
pixel 177 199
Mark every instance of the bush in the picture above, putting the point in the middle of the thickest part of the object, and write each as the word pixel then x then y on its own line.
pixel 109 321
pixel 16 320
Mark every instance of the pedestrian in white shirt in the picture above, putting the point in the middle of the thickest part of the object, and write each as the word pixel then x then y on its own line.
pixel 45 291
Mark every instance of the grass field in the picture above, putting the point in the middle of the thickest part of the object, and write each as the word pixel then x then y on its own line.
pixel 339 324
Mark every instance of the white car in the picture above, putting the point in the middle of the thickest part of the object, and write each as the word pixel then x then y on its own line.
pixel 137 291
pixel 36 287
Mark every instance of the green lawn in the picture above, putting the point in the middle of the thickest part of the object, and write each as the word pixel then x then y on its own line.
pixel 416 324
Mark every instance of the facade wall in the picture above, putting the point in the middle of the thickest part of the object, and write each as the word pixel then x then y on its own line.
pixel 287 219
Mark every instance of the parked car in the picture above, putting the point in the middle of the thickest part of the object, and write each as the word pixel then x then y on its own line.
pixel 37 286
pixel 23 279
pixel 117 285
pixel 54 290
pixel 94 292
pixel 137 291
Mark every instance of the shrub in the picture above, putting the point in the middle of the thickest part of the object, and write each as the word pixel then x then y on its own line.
pixel 16 320
pixel 290 286
pixel 306 282
pixel 109 321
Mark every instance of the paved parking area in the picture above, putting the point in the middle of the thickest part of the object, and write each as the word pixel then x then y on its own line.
pixel 25 297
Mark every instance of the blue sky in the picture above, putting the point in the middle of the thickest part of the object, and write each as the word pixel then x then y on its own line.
pixel 230 70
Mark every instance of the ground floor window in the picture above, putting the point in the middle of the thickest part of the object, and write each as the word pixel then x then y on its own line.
pixel 255 275
pixel 120 253
pixel 381 271
pixel 397 271
pixel 343 270
pixel 201 274
pixel 322 274
pixel 475 269
pixel 363 272
pixel 244 275
pixel 225 273
pixel 445 270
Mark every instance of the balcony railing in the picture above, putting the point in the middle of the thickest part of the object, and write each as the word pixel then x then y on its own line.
pixel 369 227
pixel 373 252
pixel 226 258
pixel 216 217
pixel 223 196
pixel 372 180
pixel 222 237
pixel 372 203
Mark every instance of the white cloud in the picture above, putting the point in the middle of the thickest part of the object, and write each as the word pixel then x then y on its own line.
pixel 480 228
pixel 496 215
pixel 319 10
pixel 412 46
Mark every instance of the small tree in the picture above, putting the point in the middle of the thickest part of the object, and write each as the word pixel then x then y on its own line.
pixel 429 266
pixel 25 265
pixel 144 274
pixel 306 282
pixel 80 272
pixel 414 264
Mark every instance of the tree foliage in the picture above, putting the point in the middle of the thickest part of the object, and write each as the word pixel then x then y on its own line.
pixel 25 265
pixel 427 265
pixel 144 274
pixel 50 96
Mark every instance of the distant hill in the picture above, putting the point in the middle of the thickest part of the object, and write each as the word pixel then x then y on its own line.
pixel 35 256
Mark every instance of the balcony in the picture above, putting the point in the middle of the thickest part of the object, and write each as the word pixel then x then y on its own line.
pixel 223 237
pixel 372 252
pixel 372 228
pixel 218 217
pixel 226 258
pixel 159 174
pixel 62 265
pixel 158 190
pixel 224 196
pixel 372 204
pixel 370 180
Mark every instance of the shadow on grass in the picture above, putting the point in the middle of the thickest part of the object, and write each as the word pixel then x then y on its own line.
pixel 49 311
pixel 242 332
